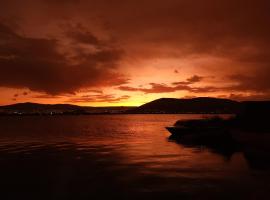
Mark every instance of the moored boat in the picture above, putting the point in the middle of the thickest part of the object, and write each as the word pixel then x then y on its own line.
pixel 213 128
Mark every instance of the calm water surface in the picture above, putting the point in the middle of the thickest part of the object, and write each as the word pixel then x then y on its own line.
pixel 120 157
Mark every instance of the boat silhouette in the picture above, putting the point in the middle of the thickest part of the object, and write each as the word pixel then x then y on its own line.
pixel 202 129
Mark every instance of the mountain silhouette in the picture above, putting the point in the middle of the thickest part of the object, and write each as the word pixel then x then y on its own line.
pixel 194 105
pixel 200 105
pixel 36 108
pixel 40 107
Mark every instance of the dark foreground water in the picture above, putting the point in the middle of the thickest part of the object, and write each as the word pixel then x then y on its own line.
pixel 119 157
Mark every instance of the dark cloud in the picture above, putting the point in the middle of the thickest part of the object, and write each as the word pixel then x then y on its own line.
pixel 238 29
pixel 225 28
pixel 154 88
pixel 46 96
pixel 175 86
pixel 239 83
pixel 91 91
pixel 232 30
pixel 161 88
pixel 258 82
pixel 79 33
pixel 61 2
pixel 189 81
pixel 248 97
pixel 20 94
pixel 194 79
pixel 37 64
pixel 205 89
pixel 98 98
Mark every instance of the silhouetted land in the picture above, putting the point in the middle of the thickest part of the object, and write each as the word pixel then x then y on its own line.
pixel 201 105
pixel 248 131
pixel 57 109
pixel 249 126
pixel 194 105
pixel 249 116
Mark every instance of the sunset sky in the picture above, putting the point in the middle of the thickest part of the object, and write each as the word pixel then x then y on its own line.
pixel 128 52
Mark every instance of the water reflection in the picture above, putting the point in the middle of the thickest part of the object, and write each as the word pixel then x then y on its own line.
pixel 256 155
pixel 120 156
pixel 224 148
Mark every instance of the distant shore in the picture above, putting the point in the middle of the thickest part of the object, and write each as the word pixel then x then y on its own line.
pixel 126 113
pixel 200 105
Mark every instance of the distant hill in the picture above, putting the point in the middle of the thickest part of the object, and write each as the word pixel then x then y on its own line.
pixel 195 105
pixel 199 105
pixel 40 109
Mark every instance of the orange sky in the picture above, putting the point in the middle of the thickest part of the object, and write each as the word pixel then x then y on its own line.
pixel 102 53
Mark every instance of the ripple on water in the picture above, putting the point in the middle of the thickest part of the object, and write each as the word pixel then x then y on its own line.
pixel 117 155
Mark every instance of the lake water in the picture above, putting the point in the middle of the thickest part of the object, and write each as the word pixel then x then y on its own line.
pixel 118 157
